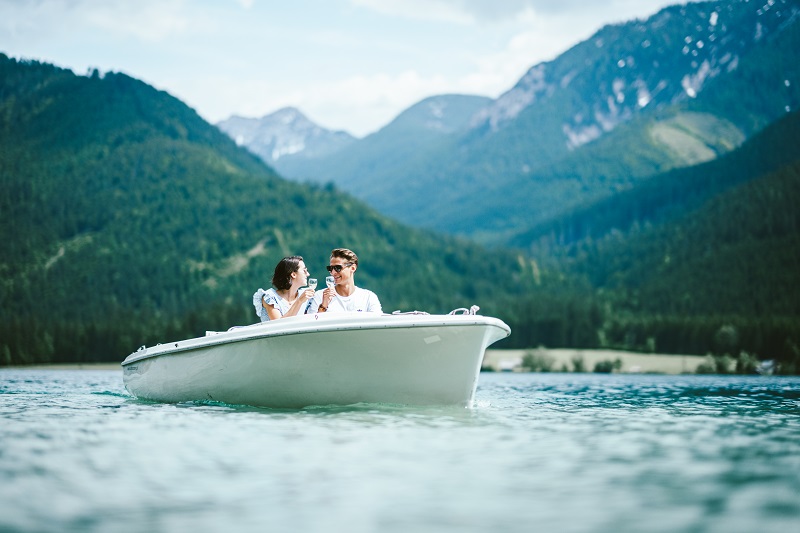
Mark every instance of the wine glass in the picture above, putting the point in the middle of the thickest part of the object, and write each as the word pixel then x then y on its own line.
pixel 330 282
pixel 312 283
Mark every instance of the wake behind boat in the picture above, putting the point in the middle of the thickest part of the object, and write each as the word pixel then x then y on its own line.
pixel 322 359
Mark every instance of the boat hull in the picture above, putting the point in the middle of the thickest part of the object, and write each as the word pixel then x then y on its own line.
pixel 322 360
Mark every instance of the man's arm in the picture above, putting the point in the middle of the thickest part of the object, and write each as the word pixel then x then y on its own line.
pixel 373 304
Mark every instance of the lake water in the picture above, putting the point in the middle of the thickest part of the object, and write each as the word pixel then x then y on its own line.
pixel 539 452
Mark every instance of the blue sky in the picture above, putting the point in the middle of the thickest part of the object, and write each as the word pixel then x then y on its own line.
pixel 347 64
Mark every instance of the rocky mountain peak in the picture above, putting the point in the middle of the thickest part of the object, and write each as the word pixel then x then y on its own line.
pixel 282 133
pixel 624 68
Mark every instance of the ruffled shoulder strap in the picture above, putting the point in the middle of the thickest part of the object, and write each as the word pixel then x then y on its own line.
pixel 257 300
pixel 272 298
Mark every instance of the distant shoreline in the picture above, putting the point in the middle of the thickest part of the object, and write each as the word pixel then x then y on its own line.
pixel 632 362
pixel 511 360
pixel 67 366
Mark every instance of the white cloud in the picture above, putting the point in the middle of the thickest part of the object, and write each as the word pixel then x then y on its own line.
pixel 458 11
pixel 363 104
pixel 144 20
pixel 418 10
pixel 491 11
pixel 148 21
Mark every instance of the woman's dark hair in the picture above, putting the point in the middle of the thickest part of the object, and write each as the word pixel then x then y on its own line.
pixel 282 278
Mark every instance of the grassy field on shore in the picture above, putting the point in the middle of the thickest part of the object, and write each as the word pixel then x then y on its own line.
pixel 500 360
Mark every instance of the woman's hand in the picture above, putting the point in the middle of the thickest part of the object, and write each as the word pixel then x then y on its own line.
pixel 307 294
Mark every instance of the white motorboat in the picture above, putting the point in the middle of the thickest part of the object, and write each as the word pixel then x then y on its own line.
pixel 322 359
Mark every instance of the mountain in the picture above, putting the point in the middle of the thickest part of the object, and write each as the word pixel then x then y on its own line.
pixel 667 197
pixel 691 253
pixel 686 85
pixel 128 220
pixel 415 130
pixel 721 239
pixel 284 135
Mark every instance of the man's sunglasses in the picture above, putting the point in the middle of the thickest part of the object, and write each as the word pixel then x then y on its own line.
pixel 337 268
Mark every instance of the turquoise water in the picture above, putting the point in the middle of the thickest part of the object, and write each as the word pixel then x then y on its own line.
pixel 539 452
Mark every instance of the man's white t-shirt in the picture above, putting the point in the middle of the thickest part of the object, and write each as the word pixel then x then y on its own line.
pixel 362 300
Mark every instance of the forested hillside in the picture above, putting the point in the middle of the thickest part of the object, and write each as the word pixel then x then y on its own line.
pixel 668 196
pixel 681 255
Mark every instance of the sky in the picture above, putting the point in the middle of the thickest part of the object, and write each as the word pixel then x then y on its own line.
pixel 350 65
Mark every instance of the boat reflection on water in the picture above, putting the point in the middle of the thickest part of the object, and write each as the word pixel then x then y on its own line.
pixel 322 359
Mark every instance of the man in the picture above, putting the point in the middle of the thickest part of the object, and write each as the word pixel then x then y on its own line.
pixel 344 296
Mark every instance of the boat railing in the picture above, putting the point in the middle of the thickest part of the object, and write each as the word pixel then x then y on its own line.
pixel 473 310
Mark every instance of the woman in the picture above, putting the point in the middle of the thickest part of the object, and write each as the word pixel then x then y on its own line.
pixel 283 299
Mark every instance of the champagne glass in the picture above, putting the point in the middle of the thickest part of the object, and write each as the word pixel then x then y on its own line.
pixel 330 282
pixel 312 283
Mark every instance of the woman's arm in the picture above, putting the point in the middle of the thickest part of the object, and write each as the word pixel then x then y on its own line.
pixel 274 314
pixel 300 303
